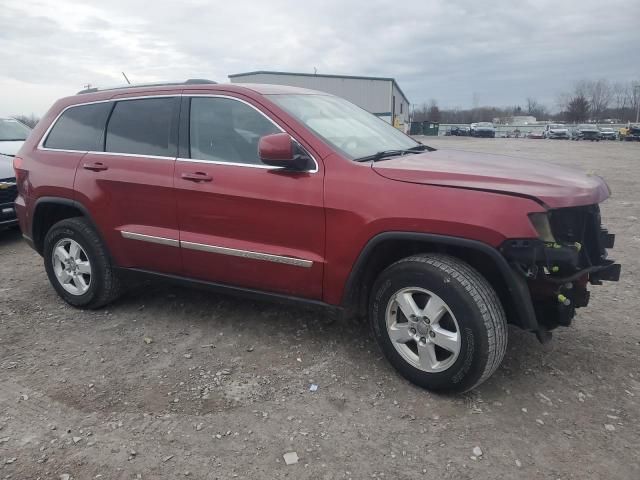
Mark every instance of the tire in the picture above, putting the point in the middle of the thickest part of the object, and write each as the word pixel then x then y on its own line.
pixel 472 308
pixel 102 283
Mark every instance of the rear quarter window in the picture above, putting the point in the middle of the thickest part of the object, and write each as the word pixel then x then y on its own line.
pixel 80 128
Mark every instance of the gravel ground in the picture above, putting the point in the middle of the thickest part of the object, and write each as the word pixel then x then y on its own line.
pixel 171 383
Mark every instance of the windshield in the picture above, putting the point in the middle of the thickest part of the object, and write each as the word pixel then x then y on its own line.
pixel 485 124
pixel 345 126
pixel 556 126
pixel 11 129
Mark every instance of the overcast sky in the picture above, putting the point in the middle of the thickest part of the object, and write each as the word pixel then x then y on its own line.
pixel 454 51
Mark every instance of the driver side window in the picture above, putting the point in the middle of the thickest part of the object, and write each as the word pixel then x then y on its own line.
pixel 226 130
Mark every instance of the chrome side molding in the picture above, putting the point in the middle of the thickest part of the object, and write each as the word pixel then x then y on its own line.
pixel 234 252
pixel 150 238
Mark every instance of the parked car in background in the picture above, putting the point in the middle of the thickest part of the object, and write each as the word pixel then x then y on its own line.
pixel 8 193
pixel 630 133
pixel 556 131
pixel 586 132
pixel 536 134
pixel 13 133
pixel 460 131
pixel 608 133
pixel 268 190
pixel 484 129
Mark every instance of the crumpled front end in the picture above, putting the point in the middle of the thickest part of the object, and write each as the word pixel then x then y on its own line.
pixel 570 254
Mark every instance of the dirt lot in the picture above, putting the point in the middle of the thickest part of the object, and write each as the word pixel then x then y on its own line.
pixel 222 388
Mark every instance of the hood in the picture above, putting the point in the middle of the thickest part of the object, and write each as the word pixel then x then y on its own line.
pixel 553 186
pixel 10 147
pixel 485 128
pixel 6 167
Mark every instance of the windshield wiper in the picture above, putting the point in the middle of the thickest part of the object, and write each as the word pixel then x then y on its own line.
pixel 391 153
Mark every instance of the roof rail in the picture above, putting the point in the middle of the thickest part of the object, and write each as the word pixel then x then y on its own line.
pixel 191 81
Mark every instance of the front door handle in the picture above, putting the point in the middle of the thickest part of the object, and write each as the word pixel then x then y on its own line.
pixel 197 177
pixel 95 167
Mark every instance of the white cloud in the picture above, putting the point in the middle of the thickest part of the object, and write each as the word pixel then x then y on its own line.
pixel 444 50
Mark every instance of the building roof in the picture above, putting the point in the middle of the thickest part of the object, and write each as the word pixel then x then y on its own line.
pixel 323 75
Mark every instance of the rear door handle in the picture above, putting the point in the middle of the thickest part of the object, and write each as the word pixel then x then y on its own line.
pixel 197 177
pixel 95 167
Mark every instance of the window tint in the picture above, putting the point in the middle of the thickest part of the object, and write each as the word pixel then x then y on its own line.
pixel 226 130
pixel 80 128
pixel 141 127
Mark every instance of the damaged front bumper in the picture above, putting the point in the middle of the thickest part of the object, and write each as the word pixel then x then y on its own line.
pixel 557 273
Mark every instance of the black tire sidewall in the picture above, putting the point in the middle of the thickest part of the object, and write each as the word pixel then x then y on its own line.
pixel 473 357
pixel 63 230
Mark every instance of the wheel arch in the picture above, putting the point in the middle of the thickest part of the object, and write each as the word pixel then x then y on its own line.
pixel 48 211
pixel 389 247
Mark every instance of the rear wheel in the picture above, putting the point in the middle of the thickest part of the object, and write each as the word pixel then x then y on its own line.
pixel 78 265
pixel 438 322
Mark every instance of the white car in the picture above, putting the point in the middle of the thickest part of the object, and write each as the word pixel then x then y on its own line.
pixel 554 130
pixel 13 133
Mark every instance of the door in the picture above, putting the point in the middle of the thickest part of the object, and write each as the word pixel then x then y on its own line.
pixel 128 187
pixel 244 223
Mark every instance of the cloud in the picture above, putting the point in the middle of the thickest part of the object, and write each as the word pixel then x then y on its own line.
pixel 451 51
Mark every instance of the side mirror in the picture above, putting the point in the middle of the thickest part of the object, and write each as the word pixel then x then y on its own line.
pixel 280 150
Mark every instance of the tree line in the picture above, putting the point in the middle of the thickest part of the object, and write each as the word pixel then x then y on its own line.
pixel 589 100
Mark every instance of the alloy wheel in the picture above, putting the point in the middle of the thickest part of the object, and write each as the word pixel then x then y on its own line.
pixel 423 329
pixel 71 266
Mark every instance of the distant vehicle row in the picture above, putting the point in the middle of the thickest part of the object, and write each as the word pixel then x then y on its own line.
pixel 551 131
pixel 481 129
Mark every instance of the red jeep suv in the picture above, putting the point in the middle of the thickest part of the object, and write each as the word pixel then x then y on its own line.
pixel 299 195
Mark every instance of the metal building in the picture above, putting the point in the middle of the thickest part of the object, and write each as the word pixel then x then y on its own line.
pixel 378 95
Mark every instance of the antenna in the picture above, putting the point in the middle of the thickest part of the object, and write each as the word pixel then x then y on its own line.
pixel 125 77
pixel 315 71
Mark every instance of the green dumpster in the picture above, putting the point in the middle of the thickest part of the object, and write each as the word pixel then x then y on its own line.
pixel 430 129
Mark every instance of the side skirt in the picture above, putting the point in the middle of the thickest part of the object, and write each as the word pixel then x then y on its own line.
pixel 232 290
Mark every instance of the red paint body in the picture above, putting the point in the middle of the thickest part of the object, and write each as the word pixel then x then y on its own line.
pixel 326 217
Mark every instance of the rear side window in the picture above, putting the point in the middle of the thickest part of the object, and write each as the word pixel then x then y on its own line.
pixel 80 128
pixel 141 127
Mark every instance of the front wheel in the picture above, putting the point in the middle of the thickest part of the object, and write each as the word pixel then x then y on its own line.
pixel 78 265
pixel 438 322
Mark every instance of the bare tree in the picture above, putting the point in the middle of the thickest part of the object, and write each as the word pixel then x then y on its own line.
pixel 621 97
pixel 578 109
pixel 433 112
pixel 599 93
pixel 536 109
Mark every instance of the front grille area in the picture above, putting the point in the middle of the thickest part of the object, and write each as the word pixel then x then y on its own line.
pixel 8 194
pixel 580 225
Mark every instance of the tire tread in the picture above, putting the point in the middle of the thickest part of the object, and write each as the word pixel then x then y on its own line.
pixel 483 295
pixel 111 283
